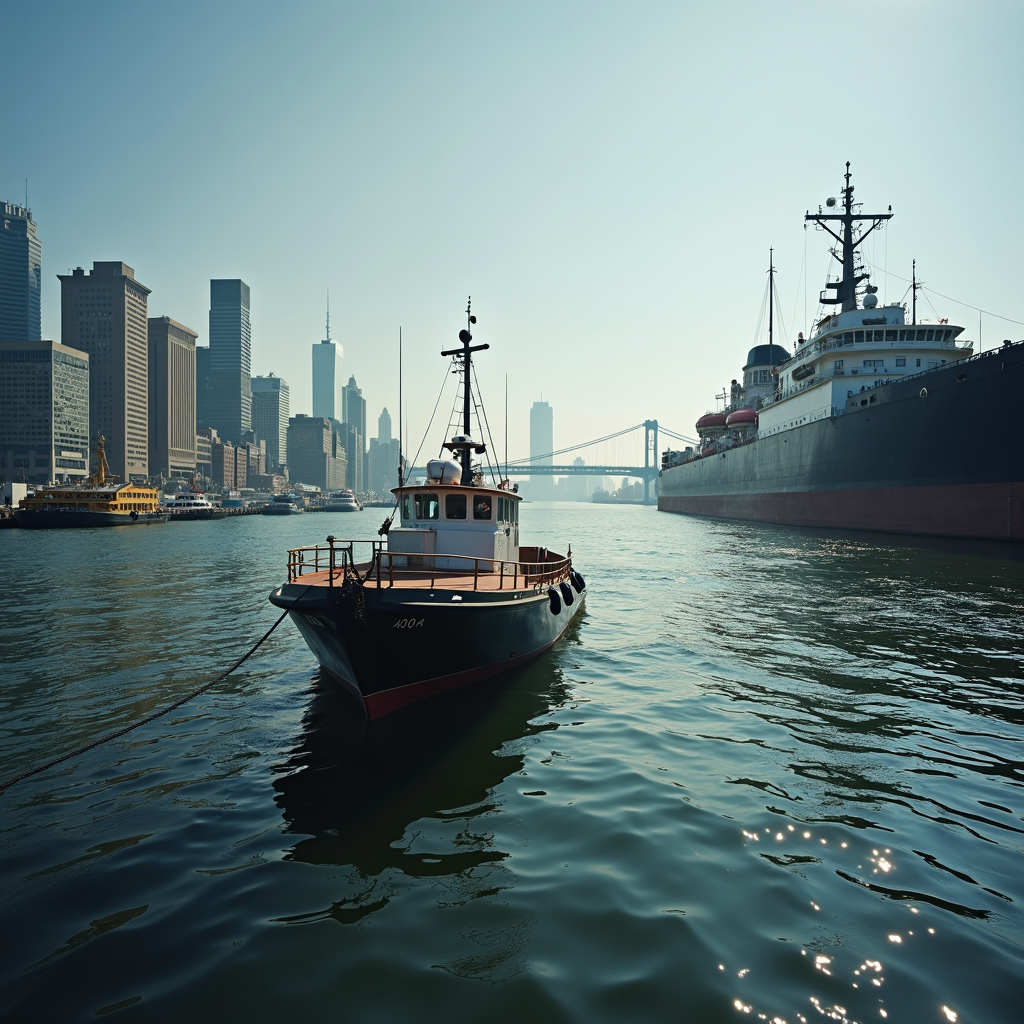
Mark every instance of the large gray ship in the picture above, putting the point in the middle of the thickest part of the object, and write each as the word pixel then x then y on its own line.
pixel 872 423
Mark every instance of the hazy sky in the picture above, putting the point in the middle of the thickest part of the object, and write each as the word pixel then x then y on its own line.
pixel 604 178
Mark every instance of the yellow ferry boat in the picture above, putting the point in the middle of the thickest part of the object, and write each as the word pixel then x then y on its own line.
pixel 101 501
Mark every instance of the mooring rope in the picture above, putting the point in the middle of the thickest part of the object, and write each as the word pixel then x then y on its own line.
pixel 156 714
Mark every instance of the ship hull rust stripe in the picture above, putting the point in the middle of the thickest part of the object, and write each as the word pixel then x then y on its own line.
pixel 981 511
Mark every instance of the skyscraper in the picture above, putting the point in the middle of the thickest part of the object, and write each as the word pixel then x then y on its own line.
pixel 270 413
pixel 204 387
pixel 382 458
pixel 44 412
pixel 104 313
pixel 21 257
pixel 230 359
pixel 327 374
pixel 541 444
pixel 315 453
pixel 353 413
pixel 172 398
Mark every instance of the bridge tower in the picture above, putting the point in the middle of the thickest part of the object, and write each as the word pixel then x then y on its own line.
pixel 651 465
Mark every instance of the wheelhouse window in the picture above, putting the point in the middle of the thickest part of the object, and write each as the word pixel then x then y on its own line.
pixel 891 335
pixel 455 506
pixel 427 506
pixel 901 362
pixel 482 507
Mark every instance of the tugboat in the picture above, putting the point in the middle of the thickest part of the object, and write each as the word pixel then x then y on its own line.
pixel 445 599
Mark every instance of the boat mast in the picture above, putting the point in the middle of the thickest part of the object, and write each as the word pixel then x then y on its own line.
pixel 467 365
pixel 401 459
pixel 846 289
pixel 771 307
pixel 913 281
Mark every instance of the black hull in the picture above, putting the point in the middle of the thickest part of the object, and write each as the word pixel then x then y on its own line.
pixel 391 647
pixel 58 519
pixel 948 463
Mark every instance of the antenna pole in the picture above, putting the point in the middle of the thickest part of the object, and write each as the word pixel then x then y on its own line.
pixel 328 314
pixel 466 361
pixel 401 460
pixel 913 281
pixel 506 425
pixel 771 304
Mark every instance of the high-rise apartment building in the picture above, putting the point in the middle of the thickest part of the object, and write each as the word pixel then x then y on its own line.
pixel 270 414
pixel 230 359
pixel 541 447
pixel 316 455
pixel 21 259
pixel 44 412
pixel 172 398
pixel 104 313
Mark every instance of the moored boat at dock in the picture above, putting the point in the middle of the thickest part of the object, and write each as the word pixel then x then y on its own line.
pixel 101 501
pixel 447 598
pixel 189 504
pixel 341 501
pixel 285 505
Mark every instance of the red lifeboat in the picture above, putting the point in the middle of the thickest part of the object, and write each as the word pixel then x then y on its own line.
pixel 712 420
pixel 742 418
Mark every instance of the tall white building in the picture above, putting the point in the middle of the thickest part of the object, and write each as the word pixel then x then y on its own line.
pixel 327 358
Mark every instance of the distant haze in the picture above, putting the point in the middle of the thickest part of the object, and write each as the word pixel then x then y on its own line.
pixel 604 178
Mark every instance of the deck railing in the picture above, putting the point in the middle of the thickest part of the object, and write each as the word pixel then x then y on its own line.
pixel 337 559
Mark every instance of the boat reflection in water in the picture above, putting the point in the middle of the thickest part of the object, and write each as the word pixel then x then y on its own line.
pixel 361 792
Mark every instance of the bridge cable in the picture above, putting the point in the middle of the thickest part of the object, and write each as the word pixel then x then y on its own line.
pixel 575 447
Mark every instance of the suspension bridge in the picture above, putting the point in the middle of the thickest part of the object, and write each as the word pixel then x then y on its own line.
pixel 632 453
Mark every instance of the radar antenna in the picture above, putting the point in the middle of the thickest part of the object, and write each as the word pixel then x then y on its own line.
pixel 846 288
pixel 465 445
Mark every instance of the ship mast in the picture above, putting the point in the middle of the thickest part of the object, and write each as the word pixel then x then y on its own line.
pixel 465 445
pixel 846 289
pixel 771 305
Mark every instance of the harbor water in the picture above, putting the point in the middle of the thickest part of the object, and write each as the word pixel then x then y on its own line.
pixel 772 774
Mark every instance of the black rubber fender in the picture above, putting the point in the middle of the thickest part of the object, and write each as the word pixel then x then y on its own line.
pixel 555 601
pixel 577 582
pixel 567 595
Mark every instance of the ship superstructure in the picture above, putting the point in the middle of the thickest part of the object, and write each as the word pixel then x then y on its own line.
pixel 870 423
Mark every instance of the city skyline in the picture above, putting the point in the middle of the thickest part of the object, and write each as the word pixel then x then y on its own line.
pixel 622 195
